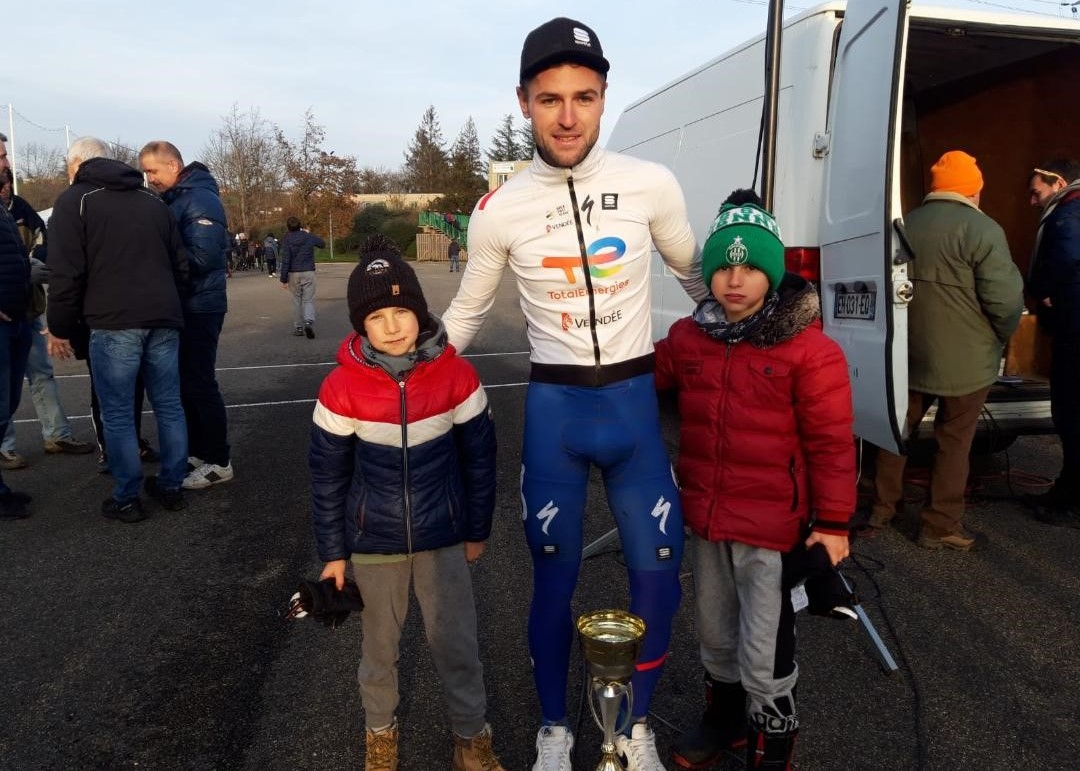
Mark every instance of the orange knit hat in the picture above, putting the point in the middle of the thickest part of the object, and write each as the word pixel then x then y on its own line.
pixel 956 172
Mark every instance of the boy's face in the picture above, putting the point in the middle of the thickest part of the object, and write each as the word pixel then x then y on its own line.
pixel 740 290
pixel 392 330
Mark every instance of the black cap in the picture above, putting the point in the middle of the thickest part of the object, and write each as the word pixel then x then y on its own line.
pixel 561 41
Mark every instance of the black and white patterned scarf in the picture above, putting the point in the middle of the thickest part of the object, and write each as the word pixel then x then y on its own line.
pixel 709 316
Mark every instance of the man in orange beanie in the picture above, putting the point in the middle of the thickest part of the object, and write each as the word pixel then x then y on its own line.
pixel 967 303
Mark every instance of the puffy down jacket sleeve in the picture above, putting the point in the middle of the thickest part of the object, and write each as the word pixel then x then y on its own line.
pixel 331 458
pixel 825 420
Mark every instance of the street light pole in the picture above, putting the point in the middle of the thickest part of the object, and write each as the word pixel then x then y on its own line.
pixel 331 235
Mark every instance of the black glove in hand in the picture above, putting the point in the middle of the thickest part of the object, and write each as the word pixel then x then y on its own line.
pixel 322 601
pixel 826 591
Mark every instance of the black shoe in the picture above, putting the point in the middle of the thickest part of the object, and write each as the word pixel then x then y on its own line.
pixel 722 728
pixel 147 454
pixel 1058 516
pixel 309 330
pixel 13 505
pixel 298 332
pixel 129 512
pixel 173 500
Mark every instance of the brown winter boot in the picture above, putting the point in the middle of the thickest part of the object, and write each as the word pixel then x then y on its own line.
pixel 475 754
pixel 381 753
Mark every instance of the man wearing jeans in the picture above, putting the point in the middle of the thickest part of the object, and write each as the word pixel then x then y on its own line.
pixel 14 334
pixel 192 195
pixel 55 428
pixel 118 265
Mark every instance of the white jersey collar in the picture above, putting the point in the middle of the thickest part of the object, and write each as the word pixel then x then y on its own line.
pixel 590 165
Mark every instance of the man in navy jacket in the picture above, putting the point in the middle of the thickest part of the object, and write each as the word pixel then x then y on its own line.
pixel 192 195
pixel 14 334
pixel 1054 282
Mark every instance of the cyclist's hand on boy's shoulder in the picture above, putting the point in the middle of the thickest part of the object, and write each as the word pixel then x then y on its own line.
pixel 836 545
pixel 473 550
pixel 336 571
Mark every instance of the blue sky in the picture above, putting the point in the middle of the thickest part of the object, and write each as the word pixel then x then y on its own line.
pixel 134 71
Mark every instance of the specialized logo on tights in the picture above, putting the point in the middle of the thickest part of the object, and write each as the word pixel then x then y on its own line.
pixel 600 254
pixel 660 512
pixel 546 515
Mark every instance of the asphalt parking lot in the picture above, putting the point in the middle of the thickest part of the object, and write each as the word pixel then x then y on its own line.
pixel 160 645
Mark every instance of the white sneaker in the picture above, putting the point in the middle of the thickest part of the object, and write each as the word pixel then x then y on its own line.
pixel 553 745
pixel 638 752
pixel 193 463
pixel 207 474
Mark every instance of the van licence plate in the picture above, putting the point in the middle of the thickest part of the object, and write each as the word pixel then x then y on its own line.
pixel 855 305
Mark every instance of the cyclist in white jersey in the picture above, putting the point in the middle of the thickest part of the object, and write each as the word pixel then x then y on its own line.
pixel 577 228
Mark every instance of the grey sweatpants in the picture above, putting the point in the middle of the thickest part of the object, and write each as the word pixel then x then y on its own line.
pixel 746 626
pixel 442 583
pixel 302 285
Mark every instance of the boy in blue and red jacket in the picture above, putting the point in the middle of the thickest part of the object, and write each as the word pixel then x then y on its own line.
pixel 766 468
pixel 403 485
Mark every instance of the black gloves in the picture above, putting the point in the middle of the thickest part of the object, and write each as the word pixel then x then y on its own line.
pixel 826 590
pixel 322 601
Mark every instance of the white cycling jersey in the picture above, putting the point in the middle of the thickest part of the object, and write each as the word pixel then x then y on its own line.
pixel 547 223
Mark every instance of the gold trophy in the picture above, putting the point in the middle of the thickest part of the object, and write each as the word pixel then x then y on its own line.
pixel 610 643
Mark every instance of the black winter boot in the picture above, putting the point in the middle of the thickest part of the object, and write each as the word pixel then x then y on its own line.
pixel 769 751
pixel 722 726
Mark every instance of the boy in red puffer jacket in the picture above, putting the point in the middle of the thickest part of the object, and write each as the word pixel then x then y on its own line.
pixel 766 464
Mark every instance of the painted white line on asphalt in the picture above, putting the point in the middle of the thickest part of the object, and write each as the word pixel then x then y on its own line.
pixel 281 403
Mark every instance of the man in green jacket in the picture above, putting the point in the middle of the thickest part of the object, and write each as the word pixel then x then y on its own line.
pixel 967 303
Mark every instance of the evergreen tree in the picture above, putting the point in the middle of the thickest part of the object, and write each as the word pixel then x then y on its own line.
pixel 525 140
pixel 426 163
pixel 504 145
pixel 466 182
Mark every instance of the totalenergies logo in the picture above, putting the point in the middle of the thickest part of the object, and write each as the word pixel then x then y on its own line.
pixel 600 253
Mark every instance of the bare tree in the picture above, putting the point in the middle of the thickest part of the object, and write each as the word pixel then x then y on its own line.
pixel 381 180
pixel 40 160
pixel 245 157
pixel 125 153
pixel 322 182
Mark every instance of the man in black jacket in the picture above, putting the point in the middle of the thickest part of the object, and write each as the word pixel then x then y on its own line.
pixel 55 426
pixel 117 266
pixel 1054 282
pixel 192 195
pixel 14 334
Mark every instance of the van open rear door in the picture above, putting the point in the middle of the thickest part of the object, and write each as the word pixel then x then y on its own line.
pixel 864 284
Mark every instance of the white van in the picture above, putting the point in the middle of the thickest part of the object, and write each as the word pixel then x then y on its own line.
pixel 872 92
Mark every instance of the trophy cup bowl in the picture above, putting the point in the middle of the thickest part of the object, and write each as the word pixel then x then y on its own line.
pixel 610 642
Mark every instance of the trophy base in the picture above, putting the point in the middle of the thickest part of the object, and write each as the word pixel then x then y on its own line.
pixel 610 763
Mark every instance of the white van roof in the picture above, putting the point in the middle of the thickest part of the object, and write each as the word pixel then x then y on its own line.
pixel 1016 21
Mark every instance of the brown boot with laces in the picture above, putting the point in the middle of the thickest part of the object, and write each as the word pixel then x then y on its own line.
pixel 381 753
pixel 476 753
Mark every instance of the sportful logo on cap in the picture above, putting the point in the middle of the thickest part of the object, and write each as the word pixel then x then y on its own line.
pixel 748 215
pixel 377 267
pixel 581 37
pixel 737 253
